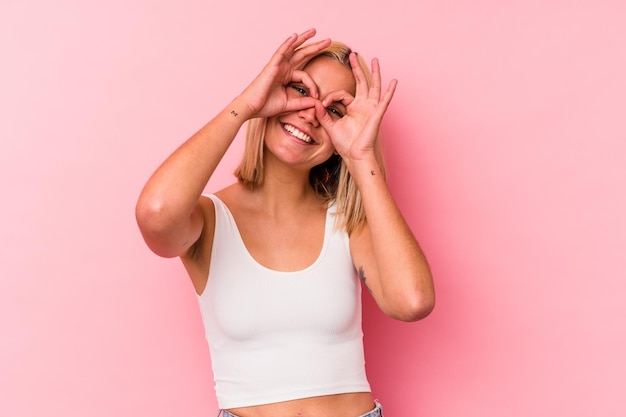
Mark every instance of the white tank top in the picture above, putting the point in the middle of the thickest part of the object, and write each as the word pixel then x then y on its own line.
pixel 278 336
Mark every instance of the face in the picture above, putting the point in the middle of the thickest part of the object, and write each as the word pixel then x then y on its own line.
pixel 296 137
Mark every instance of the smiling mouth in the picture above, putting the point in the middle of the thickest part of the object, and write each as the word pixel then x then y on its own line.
pixel 298 134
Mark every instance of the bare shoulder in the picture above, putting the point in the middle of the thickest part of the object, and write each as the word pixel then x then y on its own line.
pixel 236 196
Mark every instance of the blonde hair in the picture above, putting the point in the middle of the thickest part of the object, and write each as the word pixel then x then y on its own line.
pixel 330 179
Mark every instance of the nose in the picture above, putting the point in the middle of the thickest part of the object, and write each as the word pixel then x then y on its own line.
pixel 308 115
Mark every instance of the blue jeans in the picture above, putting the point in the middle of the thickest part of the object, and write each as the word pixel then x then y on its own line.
pixel 376 412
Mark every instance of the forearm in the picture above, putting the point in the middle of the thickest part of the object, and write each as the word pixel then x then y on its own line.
pixel 403 278
pixel 168 199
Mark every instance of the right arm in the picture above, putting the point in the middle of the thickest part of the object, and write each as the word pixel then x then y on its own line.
pixel 168 212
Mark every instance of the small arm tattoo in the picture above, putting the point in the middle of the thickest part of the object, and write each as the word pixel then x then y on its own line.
pixel 363 279
pixel 234 113
pixel 372 172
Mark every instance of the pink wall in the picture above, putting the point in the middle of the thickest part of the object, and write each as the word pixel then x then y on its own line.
pixel 506 146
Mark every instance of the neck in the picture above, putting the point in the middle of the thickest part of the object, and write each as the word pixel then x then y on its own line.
pixel 279 192
pixel 285 188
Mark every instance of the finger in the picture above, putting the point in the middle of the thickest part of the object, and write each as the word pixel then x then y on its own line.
pixel 362 84
pixel 300 103
pixel 384 103
pixel 286 45
pixel 287 48
pixel 301 54
pixel 322 116
pixel 304 78
pixel 339 96
pixel 303 37
pixel 298 41
pixel 375 87
pixel 389 93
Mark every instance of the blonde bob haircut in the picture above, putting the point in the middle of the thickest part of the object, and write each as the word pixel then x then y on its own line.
pixel 329 179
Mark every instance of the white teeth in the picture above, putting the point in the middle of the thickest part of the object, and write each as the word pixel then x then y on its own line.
pixel 297 133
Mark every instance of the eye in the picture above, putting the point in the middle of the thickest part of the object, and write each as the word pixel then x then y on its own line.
pixel 300 89
pixel 333 111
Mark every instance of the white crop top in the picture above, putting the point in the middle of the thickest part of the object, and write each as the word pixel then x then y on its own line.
pixel 278 336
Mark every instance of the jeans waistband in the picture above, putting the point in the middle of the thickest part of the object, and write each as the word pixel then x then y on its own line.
pixel 376 412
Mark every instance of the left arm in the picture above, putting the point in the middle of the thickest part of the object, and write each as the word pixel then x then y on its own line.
pixel 384 250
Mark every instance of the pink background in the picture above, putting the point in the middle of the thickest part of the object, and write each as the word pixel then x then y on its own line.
pixel 506 147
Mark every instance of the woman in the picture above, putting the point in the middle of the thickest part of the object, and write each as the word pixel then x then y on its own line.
pixel 274 257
